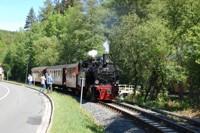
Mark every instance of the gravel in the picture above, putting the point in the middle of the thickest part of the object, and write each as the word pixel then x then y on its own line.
pixel 111 120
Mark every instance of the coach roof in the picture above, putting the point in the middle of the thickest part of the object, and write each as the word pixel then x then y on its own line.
pixel 57 67
pixel 72 65
pixel 39 68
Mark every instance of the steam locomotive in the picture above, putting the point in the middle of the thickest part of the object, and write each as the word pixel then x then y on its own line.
pixel 98 76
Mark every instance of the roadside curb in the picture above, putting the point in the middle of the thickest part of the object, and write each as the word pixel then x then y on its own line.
pixel 47 130
pixel 52 108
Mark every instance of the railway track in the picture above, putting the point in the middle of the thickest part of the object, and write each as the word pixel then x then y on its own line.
pixel 153 121
pixel 185 121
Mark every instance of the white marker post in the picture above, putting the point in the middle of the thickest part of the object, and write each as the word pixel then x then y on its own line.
pixel 82 81
pixel 34 80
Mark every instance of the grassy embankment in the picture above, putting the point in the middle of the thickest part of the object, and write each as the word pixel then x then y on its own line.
pixel 70 118
pixel 183 107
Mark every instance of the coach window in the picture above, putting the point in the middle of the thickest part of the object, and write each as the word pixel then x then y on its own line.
pixel 59 72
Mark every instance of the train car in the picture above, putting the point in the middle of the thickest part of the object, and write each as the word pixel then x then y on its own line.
pixel 72 72
pixel 99 74
pixel 58 74
pixel 37 73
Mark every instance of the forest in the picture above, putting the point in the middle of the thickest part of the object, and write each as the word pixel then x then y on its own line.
pixel 155 43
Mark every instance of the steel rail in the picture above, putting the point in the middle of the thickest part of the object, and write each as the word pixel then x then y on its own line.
pixel 185 121
pixel 176 125
pixel 150 124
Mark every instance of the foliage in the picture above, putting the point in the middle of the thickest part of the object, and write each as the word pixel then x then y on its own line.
pixel 57 38
pixel 46 51
pixel 155 43
pixel 143 48
pixel 183 21
pixel 6 39
pixel 158 45
pixel 46 11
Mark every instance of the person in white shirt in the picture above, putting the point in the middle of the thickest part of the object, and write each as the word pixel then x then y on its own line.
pixel 1 73
pixel 43 79
pixel 30 79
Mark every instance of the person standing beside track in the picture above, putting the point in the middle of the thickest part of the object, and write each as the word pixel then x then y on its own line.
pixel 43 79
pixel 30 79
pixel 1 73
pixel 49 83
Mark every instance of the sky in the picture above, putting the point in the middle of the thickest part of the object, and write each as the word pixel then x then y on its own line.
pixel 13 13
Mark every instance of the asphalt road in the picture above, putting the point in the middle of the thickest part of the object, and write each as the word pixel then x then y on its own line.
pixel 23 110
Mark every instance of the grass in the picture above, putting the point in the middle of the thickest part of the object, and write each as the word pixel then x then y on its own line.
pixel 182 107
pixel 165 103
pixel 70 118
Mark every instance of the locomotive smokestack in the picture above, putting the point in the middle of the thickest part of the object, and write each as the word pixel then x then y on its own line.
pixel 106 59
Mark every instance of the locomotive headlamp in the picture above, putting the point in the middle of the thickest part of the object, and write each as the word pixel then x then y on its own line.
pixel 96 81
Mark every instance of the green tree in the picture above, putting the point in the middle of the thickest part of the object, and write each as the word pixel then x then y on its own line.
pixel 143 50
pixel 46 51
pixel 30 19
pixel 65 4
pixel 62 5
pixel 79 35
pixel 47 10
pixel 184 22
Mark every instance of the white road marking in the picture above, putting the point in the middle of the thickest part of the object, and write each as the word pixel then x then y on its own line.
pixel 8 91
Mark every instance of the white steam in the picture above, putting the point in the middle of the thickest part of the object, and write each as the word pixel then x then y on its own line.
pixel 92 53
pixel 106 46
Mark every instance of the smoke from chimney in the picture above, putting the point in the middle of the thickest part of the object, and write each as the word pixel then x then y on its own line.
pixel 106 46
pixel 92 53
